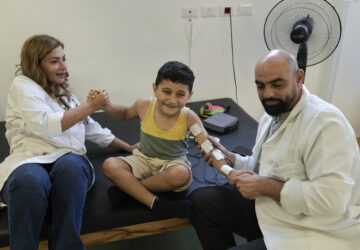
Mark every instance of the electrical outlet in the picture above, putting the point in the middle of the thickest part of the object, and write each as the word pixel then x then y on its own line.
pixel 209 11
pixel 244 10
pixel 189 12
pixel 226 10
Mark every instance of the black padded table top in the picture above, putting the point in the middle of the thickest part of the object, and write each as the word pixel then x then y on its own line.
pixel 99 213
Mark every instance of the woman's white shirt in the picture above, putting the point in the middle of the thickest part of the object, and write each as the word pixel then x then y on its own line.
pixel 33 128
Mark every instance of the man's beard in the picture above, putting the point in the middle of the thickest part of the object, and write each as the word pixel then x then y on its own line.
pixel 276 109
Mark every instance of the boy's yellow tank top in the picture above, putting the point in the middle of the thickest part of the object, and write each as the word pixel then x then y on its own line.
pixel 164 144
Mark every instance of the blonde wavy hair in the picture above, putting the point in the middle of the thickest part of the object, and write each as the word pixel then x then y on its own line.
pixel 34 50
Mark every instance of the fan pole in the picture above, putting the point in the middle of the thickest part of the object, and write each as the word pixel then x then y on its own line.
pixel 302 56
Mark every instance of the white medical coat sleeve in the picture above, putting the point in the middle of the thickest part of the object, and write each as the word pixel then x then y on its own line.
pixel 243 162
pixel 328 166
pixel 31 101
pixel 95 133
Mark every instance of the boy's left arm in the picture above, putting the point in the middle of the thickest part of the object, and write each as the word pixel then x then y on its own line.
pixel 218 159
pixel 191 119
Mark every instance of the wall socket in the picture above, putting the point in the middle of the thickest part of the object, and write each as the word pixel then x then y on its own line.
pixel 209 11
pixel 225 9
pixel 189 12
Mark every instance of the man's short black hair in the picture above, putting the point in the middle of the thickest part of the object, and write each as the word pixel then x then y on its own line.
pixel 176 72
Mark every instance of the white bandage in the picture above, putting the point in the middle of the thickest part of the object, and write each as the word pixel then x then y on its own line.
pixel 226 169
pixel 207 146
pixel 217 139
pixel 218 155
pixel 195 129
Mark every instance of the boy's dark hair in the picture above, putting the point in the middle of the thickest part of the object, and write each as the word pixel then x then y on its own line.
pixel 176 72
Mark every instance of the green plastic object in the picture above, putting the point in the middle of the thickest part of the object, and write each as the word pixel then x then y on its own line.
pixel 208 109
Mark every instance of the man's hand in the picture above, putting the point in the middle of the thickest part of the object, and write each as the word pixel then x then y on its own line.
pixel 247 182
pixel 252 185
pixel 229 156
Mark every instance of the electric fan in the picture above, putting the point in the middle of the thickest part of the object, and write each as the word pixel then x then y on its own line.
pixel 310 29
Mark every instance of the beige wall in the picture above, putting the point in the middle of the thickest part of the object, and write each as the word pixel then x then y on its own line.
pixel 346 94
pixel 120 44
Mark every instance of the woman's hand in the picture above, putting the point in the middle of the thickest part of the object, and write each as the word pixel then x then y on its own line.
pixel 132 147
pixel 92 94
pixel 99 99
pixel 120 144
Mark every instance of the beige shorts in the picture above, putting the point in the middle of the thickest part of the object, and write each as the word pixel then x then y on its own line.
pixel 144 167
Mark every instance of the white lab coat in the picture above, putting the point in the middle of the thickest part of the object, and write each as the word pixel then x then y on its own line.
pixel 316 153
pixel 33 128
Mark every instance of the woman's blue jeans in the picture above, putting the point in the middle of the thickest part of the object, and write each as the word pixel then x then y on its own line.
pixel 32 187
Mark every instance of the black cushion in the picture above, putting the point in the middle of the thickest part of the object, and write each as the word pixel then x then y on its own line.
pixel 99 213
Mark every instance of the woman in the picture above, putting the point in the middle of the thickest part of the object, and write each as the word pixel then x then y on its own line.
pixel 46 128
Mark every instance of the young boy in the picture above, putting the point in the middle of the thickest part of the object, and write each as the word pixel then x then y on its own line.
pixel 159 164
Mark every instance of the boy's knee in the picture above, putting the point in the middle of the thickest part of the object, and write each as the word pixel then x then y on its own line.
pixel 111 166
pixel 179 175
pixel 108 165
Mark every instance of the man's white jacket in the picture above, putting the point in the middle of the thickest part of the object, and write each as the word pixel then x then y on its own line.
pixel 316 153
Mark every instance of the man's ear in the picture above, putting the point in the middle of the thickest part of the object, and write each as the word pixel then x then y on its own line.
pixel 300 75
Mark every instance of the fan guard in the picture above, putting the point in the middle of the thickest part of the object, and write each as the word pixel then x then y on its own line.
pixel 325 35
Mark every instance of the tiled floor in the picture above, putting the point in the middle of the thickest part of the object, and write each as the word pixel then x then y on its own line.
pixel 184 239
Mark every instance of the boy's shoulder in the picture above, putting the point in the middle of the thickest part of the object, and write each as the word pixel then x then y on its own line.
pixel 191 118
pixel 142 107
pixel 142 102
